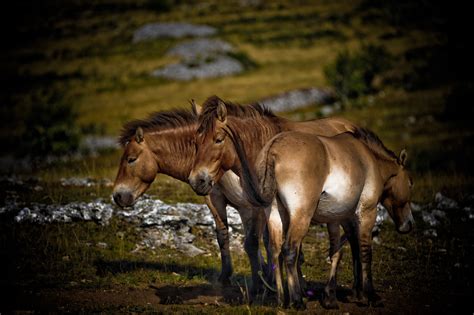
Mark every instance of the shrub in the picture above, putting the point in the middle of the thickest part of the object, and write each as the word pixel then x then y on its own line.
pixel 352 75
pixel 50 129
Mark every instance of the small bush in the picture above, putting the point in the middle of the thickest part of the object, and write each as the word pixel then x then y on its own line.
pixel 50 129
pixel 352 75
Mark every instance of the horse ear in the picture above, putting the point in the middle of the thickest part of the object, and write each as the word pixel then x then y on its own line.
pixel 402 159
pixel 221 111
pixel 139 135
pixel 197 110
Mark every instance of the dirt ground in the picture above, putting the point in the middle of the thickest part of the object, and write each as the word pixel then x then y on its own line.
pixel 213 298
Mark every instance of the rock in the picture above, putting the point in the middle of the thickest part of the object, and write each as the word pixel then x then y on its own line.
pixel 443 202
pixel 438 214
pixel 415 207
pixel 429 218
pixel 430 233
pixel 171 30
pixel 218 66
pixel 102 245
pixel 297 99
pixel 95 144
pixel 190 250
pixel 201 48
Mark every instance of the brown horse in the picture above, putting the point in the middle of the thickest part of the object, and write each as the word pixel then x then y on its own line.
pixel 217 160
pixel 165 143
pixel 301 177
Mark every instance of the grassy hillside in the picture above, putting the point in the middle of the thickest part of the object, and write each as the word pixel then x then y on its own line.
pixel 75 60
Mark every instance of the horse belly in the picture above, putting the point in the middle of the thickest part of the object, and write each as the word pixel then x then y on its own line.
pixel 338 199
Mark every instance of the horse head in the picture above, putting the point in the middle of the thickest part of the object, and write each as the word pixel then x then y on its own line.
pixel 138 169
pixel 213 149
pixel 397 194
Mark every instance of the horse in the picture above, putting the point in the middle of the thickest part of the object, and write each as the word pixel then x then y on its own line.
pixel 217 159
pixel 299 178
pixel 165 143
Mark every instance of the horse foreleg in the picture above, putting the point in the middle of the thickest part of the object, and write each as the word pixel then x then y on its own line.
pixel 335 254
pixel 217 204
pixel 366 223
pixel 251 224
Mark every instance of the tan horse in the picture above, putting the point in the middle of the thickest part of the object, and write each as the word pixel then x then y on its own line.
pixel 165 143
pixel 304 177
pixel 217 161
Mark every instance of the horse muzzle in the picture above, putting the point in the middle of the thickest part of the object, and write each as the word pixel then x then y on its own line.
pixel 406 227
pixel 202 183
pixel 123 198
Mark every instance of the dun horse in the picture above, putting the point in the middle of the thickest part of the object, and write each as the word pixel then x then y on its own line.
pixel 301 177
pixel 165 143
pixel 216 156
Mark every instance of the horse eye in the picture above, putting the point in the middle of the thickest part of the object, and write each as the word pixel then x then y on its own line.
pixel 130 160
pixel 219 140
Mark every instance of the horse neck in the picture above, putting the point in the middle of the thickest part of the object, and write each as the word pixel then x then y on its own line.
pixel 174 150
pixel 387 168
pixel 253 133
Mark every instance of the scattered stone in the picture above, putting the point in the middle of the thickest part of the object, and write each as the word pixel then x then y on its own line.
pixel 299 98
pixel 161 224
pixel 171 30
pixel 190 250
pixel 94 144
pixel 403 249
pixel 439 214
pixel 429 218
pixel 218 66
pixel 443 202
pixel 85 182
pixel 102 245
pixel 97 211
pixel 415 207
pixel 430 233
pixel 201 48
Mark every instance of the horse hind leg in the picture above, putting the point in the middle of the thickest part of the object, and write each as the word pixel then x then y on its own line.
pixel 275 231
pixel 351 229
pixel 295 234
pixel 329 300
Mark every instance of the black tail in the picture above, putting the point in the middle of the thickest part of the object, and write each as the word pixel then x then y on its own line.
pixel 248 179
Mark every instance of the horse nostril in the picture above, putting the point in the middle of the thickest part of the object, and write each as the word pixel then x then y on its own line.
pixel 117 198
pixel 202 180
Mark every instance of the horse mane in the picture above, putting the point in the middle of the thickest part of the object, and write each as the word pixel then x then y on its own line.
pixel 157 121
pixel 374 143
pixel 209 112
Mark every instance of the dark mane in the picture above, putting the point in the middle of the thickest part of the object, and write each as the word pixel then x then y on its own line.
pixel 374 143
pixel 209 112
pixel 157 121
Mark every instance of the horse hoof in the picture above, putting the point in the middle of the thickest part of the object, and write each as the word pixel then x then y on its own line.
pixel 374 300
pixel 356 296
pixel 224 280
pixel 298 305
pixel 330 303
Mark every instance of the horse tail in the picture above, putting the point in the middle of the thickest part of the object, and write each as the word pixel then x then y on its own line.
pixel 249 180
pixel 265 169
